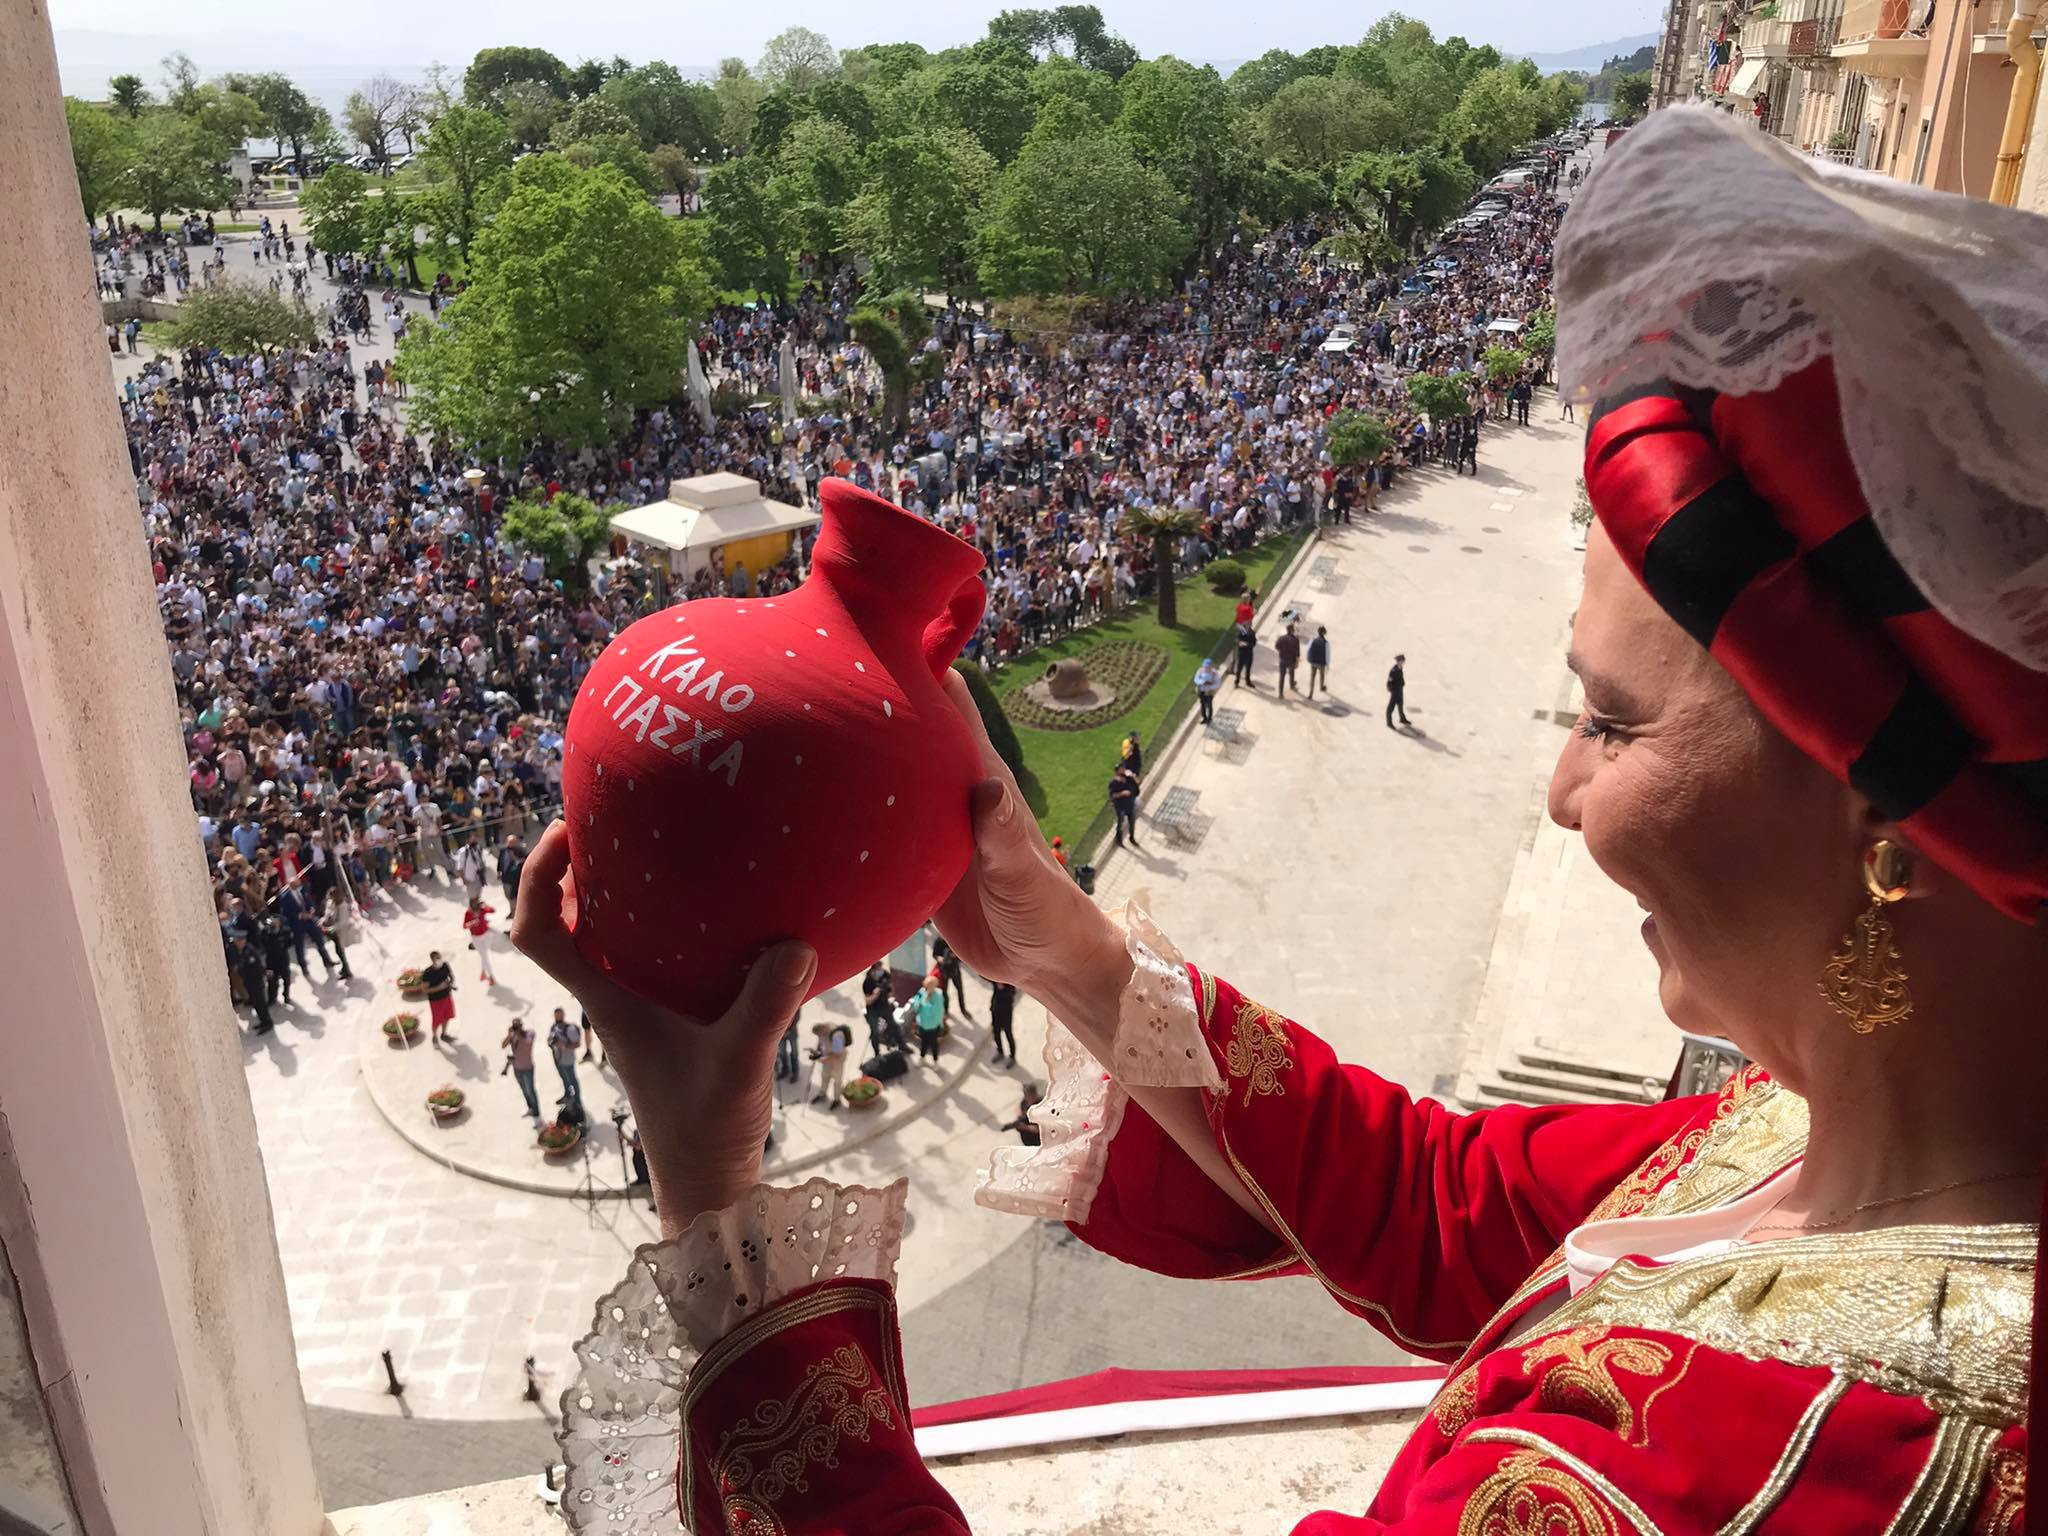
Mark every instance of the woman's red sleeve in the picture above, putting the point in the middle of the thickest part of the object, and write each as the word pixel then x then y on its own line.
pixel 797 1424
pixel 1421 1220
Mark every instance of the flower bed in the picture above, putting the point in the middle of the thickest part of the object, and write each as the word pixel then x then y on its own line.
pixel 1128 667
pixel 556 1137
pixel 863 1093
pixel 402 1026
pixel 446 1103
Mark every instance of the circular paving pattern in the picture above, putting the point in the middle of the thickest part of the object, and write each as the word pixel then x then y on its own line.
pixel 1126 666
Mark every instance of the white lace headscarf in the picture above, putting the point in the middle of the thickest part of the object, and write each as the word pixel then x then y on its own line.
pixel 1706 252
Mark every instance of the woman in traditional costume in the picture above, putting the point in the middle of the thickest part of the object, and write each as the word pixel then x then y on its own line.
pixel 1814 648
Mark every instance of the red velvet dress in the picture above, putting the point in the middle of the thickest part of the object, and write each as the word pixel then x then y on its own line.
pixel 1828 1384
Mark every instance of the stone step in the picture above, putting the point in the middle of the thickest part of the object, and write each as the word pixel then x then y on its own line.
pixel 1578 1087
pixel 1538 1062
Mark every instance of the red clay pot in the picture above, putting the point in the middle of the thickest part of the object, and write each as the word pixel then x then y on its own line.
pixel 743 770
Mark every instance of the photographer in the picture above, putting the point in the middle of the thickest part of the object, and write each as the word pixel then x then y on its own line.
pixel 519 1042
pixel 835 1041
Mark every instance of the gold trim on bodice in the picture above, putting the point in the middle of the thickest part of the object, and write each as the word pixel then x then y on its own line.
pixel 1943 1313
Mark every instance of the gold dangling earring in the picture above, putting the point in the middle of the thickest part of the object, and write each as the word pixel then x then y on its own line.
pixel 1865 980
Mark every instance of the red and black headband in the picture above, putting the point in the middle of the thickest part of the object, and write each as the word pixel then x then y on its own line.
pixel 1742 516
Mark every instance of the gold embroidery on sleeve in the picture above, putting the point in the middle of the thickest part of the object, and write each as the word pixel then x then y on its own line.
pixel 767 1454
pixel 1453 1407
pixel 1581 1379
pixel 1529 1497
pixel 1589 1478
pixel 1258 1049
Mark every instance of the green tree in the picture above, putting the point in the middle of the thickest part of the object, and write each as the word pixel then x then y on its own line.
pixel 495 68
pixel 176 164
pixel 1412 192
pixel 1257 81
pixel 1078 213
pixel 1505 364
pixel 466 148
pixel 1166 527
pixel 1183 124
pixel 622 152
pixel 564 531
pixel 1632 95
pixel 677 171
pixel 993 102
pixel 748 231
pixel 289 114
pixel 581 293
pixel 915 215
pixel 664 108
pixel 1497 114
pixel 737 93
pixel 1438 397
pixel 819 165
pixel 227 116
pixel 1539 336
pixel 1060 78
pixel 1318 120
pixel 403 217
pixel 883 63
pixel 1358 438
pixel 128 95
pixel 883 340
pixel 241 317
pixel 341 214
pixel 797 59
pixel 531 111
pixel 1068 30
pixel 594 117
pixel 101 155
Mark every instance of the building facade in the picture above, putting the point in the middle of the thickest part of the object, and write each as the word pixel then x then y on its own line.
pixel 1919 90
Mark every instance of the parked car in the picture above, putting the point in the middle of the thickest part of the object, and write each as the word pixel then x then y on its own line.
pixel 1342 338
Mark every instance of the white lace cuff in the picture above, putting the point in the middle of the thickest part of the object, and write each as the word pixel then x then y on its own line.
pixel 1158 1044
pixel 621 1431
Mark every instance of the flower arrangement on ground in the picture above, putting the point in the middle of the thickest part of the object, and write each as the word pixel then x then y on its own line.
pixel 559 1136
pixel 445 1102
pixel 400 1025
pixel 863 1093
pixel 410 985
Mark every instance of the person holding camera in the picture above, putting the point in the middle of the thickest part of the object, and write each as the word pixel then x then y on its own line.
pixel 835 1042
pixel 519 1042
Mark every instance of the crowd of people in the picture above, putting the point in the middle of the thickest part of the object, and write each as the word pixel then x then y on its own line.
pixel 372 691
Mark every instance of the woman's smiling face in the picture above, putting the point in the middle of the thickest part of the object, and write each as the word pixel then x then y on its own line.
pixel 1742 850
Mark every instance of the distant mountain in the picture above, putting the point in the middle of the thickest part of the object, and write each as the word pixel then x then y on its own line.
pixel 1593 55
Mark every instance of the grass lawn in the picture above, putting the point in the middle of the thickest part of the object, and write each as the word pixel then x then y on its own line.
pixel 235 229
pixel 1066 773
pixel 156 336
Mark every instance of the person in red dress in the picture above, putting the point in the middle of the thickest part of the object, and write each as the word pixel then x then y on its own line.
pixel 476 922
pixel 1813 645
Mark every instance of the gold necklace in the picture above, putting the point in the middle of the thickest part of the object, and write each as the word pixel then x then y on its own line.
pixel 1873 1205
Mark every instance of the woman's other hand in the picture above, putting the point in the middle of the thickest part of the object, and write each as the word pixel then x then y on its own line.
pixel 702 1092
pixel 1016 915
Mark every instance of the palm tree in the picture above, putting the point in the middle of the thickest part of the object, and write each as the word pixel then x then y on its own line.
pixel 128 94
pixel 1165 527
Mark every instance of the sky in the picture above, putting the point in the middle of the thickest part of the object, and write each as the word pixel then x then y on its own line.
pixel 99 36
